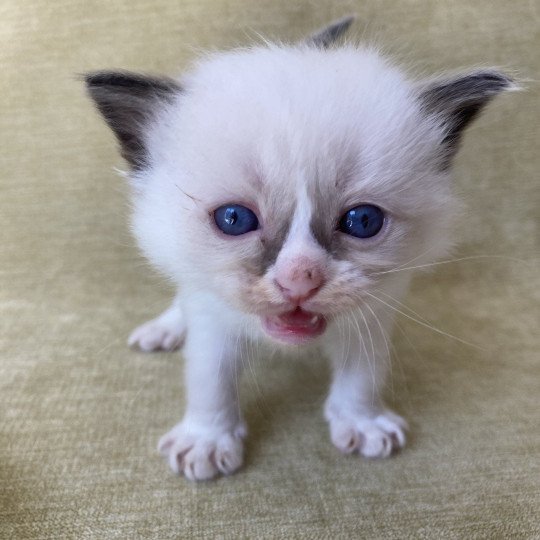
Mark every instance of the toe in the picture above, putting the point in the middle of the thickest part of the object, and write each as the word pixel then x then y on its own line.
pixel 372 437
pixel 229 454
pixel 344 437
pixel 198 463
pixel 377 444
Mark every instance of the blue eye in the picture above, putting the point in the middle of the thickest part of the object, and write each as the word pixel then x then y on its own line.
pixel 363 221
pixel 234 219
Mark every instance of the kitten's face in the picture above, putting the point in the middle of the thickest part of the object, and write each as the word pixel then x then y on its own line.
pixel 291 205
pixel 289 181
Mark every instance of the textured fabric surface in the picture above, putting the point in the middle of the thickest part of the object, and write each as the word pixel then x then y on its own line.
pixel 81 414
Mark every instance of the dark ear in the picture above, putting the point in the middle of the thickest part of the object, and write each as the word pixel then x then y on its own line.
pixel 128 101
pixel 457 101
pixel 329 34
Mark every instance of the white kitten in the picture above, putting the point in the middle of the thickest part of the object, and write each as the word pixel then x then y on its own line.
pixel 279 187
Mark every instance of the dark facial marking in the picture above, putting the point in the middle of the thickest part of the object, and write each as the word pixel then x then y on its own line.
pixel 325 208
pixel 272 241
pixel 128 101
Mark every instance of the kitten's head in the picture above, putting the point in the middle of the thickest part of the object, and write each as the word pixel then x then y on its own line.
pixel 292 180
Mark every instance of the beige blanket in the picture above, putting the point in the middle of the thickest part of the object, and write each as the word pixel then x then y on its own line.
pixel 80 414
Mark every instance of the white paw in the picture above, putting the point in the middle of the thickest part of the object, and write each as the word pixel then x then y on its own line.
pixel 202 454
pixel 372 436
pixel 156 336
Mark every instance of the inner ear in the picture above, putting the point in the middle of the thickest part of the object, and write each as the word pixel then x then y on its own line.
pixel 457 101
pixel 128 102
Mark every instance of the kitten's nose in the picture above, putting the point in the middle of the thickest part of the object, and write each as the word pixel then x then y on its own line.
pixel 300 281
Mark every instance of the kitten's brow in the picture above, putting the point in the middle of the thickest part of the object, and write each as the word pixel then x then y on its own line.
pixel 192 197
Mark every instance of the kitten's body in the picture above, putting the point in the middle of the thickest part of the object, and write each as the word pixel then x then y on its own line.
pixel 298 135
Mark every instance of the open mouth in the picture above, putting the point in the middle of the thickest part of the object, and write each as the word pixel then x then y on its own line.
pixel 295 327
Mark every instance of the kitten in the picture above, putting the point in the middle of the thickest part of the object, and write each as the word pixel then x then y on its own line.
pixel 279 187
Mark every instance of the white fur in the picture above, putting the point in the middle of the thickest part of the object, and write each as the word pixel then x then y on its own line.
pixel 264 127
pixel 165 332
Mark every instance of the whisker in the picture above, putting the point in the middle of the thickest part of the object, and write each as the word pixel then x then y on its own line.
pixel 236 385
pixel 395 357
pixel 398 362
pixel 349 336
pixel 369 359
pixel 402 305
pixel 250 360
pixel 421 323
pixel 448 261
pixel 415 258
pixel 344 324
pixel 383 334
pixel 373 358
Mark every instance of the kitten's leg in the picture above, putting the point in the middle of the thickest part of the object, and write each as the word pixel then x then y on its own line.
pixel 208 440
pixel 358 418
pixel 165 332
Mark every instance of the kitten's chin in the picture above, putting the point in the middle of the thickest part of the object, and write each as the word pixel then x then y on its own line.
pixel 295 327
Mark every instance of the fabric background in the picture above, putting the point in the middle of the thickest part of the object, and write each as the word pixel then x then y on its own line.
pixel 81 414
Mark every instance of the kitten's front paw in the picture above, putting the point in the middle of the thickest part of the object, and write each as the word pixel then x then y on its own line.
pixel 205 453
pixel 372 436
pixel 158 335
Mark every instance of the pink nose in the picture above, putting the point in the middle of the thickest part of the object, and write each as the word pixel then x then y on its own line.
pixel 300 282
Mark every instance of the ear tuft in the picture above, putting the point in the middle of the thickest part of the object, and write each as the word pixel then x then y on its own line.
pixel 128 101
pixel 330 34
pixel 459 100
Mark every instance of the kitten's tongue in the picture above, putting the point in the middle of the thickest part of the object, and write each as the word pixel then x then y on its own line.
pixel 297 326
